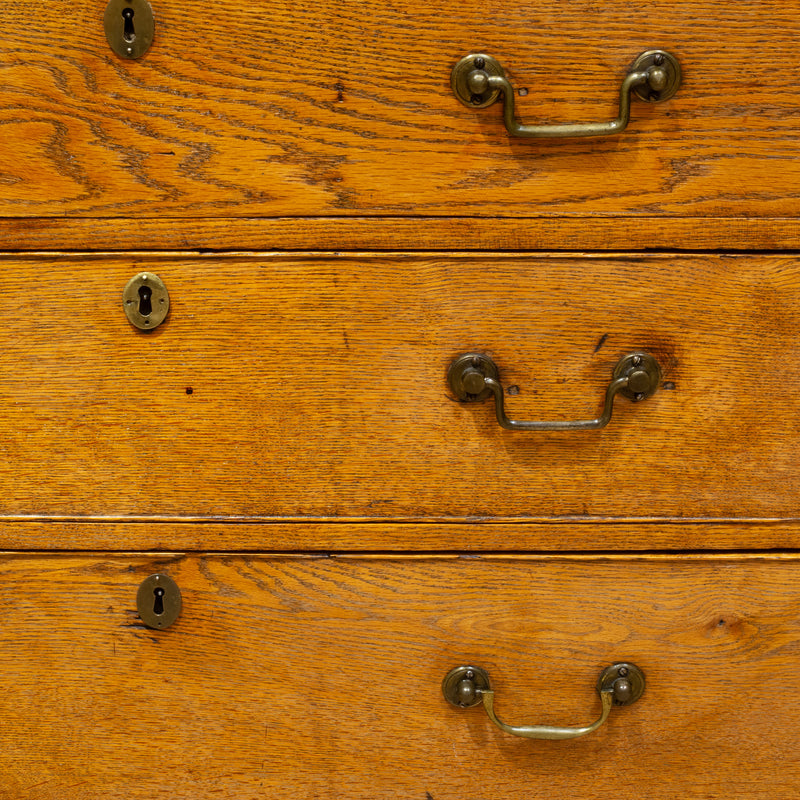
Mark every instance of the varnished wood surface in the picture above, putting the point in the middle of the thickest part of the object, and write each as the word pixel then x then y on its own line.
pixel 332 534
pixel 314 387
pixel 301 678
pixel 345 108
pixel 417 233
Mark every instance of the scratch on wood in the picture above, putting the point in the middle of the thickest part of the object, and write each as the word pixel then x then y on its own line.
pixel 600 342
pixel 37 785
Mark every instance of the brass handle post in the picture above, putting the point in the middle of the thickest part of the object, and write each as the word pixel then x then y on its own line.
pixel 618 685
pixel 474 377
pixel 478 80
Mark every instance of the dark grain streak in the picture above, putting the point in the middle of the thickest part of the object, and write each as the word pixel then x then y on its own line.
pixel 600 342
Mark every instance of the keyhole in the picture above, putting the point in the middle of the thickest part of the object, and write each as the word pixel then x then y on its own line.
pixel 158 603
pixel 145 306
pixel 128 32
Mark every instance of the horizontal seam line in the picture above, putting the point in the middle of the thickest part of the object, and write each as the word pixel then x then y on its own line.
pixel 400 521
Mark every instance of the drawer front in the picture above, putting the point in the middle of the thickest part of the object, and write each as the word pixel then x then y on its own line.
pixel 303 677
pixel 312 388
pixel 256 109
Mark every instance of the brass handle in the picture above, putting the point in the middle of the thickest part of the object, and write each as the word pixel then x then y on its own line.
pixel 618 685
pixel 478 80
pixel 474 377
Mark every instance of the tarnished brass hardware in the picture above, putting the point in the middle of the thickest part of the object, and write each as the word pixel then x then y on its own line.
pixel 618 685
pixel 462 686
pixel 146 301
pixel 663 72
pixel 158 601
pixel 478 80
pixel 473 377
pixel 130 27
pixel 469 80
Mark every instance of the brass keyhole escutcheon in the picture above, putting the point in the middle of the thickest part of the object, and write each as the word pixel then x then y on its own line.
pixel 130 27
pixel 145 300
pixel 128 30
pixel 158 601
pixel 145 306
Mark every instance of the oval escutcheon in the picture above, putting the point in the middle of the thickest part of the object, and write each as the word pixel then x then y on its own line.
pixel 130 27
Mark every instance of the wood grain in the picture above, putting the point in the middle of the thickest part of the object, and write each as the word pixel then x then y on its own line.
pixel 336 535
pixel 344 108
pixel 314 387
pixel 573 234
pixel 301 677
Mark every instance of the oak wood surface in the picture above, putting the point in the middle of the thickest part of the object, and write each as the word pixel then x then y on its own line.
pixel 345 108
pixel 314 387
pixel 320 678
pixel 572 234
pixel 423 535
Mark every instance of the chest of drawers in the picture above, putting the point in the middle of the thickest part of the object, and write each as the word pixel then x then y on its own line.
pixel 335 231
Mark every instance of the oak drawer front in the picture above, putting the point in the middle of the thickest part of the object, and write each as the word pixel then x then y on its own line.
pixel 346 109
pixel 314 387
pixel 321 677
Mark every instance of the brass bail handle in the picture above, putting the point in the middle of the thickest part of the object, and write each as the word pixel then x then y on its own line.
pixel 478 80
pixel 618 685
pixel 474 377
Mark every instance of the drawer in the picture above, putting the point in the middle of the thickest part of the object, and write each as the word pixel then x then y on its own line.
pixel 305 388
pixel 255 109
pixel 321 677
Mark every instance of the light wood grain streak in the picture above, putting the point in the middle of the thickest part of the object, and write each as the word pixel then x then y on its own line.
pixel 321 678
